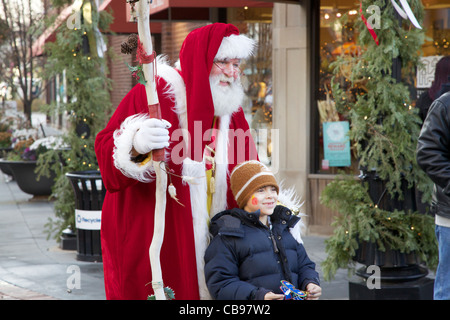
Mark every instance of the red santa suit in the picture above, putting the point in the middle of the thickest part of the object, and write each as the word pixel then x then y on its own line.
pixel 128 210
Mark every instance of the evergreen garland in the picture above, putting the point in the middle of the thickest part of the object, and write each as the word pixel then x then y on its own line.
pixel 87 89
pixel 360 219
pixel 384 131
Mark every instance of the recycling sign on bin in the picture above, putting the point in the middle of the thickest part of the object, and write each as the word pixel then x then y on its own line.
pixel 88 219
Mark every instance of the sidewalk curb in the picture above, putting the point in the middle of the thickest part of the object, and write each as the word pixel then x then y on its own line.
pixel 12 292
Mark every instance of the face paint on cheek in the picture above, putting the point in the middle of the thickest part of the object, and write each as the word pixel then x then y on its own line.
pixel 254 201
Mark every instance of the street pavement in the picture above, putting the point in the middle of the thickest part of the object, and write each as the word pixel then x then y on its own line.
pixel 33 267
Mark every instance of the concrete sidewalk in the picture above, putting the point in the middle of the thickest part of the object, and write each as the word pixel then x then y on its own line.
pixel 34 268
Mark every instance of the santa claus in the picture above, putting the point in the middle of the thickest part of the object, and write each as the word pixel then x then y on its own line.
pixel 205 134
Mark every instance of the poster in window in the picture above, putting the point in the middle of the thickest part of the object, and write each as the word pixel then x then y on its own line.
pixel 336 143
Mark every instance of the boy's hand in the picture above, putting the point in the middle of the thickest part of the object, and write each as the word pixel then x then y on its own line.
pixel 314 291
pixel 273 296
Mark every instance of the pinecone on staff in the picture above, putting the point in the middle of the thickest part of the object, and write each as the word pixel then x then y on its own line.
pixel 128 46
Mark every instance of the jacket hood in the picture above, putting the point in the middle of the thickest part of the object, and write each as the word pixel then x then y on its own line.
pixel 230 222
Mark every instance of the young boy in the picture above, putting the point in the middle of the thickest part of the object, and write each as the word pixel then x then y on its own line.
pixel 252 249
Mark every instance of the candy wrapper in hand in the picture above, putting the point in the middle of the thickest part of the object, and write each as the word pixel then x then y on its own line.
pixel 292 293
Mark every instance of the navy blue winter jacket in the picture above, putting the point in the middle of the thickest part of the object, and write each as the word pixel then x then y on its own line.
pixel 247 259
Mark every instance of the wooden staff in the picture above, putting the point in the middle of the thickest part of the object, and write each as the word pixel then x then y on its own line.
pixel 149 69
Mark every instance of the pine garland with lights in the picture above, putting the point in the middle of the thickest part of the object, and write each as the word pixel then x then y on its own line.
pixel 87 86
pixel 384 131
pixel 361 220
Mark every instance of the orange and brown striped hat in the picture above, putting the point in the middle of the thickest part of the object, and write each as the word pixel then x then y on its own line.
pixel 249 176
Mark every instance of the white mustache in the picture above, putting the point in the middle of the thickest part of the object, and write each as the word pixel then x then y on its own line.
pixel 223 78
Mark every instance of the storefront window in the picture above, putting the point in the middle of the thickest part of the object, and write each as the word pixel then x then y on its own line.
pixel 338 38
pixel 437 43
pixel 256 23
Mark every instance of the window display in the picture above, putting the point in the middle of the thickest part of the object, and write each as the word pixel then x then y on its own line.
pixel 338 37
pixel 256 74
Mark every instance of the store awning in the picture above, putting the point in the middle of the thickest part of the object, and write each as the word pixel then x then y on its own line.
pixel 160 10
pixel 199 10
pixel 65 16
pixel 157 6
pixel 119 25
pixel 49 34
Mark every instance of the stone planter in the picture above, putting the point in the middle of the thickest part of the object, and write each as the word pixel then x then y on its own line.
pixel 4 151
pixel 401 275
pixel 26 178
pixel 394 265
pixel 4 167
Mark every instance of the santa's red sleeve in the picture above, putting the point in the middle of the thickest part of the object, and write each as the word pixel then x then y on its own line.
pixel 128 211
pixel 105 144
pixel 113 144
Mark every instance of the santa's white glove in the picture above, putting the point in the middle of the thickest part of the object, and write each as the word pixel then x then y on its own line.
pixel 152 135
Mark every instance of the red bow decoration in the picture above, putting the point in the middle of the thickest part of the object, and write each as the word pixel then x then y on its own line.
pixel 369 27
pixel 141 56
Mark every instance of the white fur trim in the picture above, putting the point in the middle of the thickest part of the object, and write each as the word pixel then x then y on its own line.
pixel 200 218
pixel 219 201
pixel 296 231
pixel 235 47
pixel 123 144
pixel 289 199
pixel 198 192
pixel 176 90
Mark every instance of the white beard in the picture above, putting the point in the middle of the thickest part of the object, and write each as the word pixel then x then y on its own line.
pixel 226 99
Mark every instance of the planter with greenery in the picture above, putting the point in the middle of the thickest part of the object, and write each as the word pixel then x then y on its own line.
pixel 21 163
pixel 5 145
pixel 384 131
pixel 24 173
pixel 78 54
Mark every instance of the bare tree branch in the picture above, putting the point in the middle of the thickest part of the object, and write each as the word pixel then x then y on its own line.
pixel 22 23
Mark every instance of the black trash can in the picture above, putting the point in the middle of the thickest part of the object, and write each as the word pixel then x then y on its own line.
pixel 89 195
